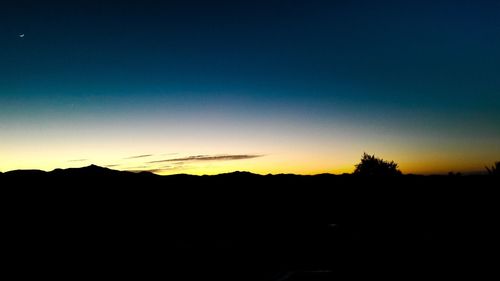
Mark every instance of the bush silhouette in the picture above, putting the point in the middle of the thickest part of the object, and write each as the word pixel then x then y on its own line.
pixel 373 166
pixel 494 170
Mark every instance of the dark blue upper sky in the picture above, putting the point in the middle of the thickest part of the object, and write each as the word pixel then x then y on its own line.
pixel 387 48
pixel 434 63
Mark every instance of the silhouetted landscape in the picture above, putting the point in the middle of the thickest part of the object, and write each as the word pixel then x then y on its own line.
pixel 220 140
pixel 247 226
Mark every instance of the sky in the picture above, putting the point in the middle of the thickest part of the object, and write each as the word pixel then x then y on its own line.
pixel 207 87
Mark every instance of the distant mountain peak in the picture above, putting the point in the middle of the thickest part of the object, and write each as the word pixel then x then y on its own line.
pixel 90 170
pixel 239 173
pixel 96 167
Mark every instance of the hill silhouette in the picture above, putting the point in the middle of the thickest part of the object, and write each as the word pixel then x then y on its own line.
pixel 90 171
pixel 247 226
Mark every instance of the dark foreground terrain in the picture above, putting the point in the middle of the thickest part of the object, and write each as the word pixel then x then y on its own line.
pixel 99 223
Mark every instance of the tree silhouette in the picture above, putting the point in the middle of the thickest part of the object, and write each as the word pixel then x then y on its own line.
pixel 373 166
pixel 494 170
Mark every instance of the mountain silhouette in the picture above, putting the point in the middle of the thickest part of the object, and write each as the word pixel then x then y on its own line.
pixel 92 170
pixel 247 226
pixel 98 171
pixel 88 172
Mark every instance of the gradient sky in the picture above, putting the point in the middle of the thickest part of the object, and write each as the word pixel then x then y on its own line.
pixel 205 87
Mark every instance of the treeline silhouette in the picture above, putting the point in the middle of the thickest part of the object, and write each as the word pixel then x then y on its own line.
pixel 374 166
pixel 494 170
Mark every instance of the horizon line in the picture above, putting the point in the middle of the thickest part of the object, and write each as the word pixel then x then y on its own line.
pixel 152 171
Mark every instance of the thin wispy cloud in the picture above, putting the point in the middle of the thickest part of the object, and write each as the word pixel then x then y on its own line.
pixel 156 171
pixel 139 156
pixel 137 167
pixel 112 165
pixel 77 160
pixel 210 158
pixel 143 170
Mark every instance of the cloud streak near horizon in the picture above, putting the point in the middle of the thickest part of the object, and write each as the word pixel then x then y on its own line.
pixel 210 158
pixel 139 156
pixel 78 160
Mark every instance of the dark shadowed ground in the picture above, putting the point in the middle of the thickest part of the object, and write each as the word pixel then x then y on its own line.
pixel 95 222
